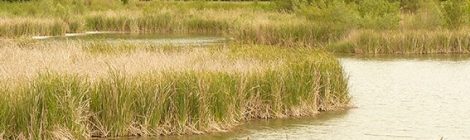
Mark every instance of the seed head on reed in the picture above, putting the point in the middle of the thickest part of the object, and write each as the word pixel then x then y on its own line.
pixel 63 90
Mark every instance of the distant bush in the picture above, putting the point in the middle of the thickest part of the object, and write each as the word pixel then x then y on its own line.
pixel 379 14
pixel 456 12
pixel 125 1
pixel 408 5
pixel 376 14
pixel 291 5
pixel 336 12
pixel 428 16
pixel 284 5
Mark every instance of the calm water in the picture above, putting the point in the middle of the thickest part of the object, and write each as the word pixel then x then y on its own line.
pixel 118 38
pixel 409 98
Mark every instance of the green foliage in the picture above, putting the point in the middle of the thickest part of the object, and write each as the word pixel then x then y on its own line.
pixel 456 12
pixel 375 14
pixel 286 5
pixel 31 27
pixel 428 16
pixel 336 13
pixel 72 106
pixel 379 14
pixel 405 42
pixel 98 47
pixel 125 1
pixel 59 8
pixel 52 102
pixel 103 22
pixel 409 5
pixel 294 34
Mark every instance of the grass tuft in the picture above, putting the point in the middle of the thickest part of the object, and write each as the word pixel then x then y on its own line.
pixel 206 90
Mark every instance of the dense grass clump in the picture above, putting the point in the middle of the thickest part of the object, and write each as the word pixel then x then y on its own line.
pixel 290 34
pixel 187 91
pixel 31 27
pixel 286 23
pixel 405 42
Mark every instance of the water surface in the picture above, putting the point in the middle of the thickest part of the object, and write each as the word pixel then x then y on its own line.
pixel 127 38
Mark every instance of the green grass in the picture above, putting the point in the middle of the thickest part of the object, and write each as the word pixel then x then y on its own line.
pixel 248 22
pixel 54 104
pixel 97 47
pixel 80 90
pixel 31 27
pixel 384 28
pixel 290 34
pixel 405 42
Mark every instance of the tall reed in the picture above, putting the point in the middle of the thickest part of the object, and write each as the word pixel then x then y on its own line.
pixel 31 27
pixel 290 34
pixel 405 42
pixel 66 91
pixel 172 21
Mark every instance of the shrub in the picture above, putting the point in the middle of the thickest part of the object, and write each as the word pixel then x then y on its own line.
pixel 409 5
pixel 285 5
pixel 337 13
pixel 379 14
pixel 125 1
pixel 456 12
pixel 428 16
pixel 375 14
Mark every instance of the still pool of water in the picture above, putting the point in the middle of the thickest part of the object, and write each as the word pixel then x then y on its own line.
pixel 158 39
pixel 424 98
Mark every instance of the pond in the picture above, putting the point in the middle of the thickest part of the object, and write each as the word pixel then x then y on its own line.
pixel 393 98
pixel 159 39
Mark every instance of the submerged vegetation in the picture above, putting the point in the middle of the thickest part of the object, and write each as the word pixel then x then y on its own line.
pixel 161 92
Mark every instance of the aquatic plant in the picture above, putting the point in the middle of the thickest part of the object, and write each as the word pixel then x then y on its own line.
pixel 318 24
pixel 83 94
pixel 31 27
pixel 290 34
pixel 404 42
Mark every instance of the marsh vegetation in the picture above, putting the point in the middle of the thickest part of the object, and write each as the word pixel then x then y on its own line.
pixel 313 23
pixel 78 90
pixel 278 64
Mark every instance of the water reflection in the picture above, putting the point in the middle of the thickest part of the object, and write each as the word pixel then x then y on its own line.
pixel 129 38
pixel 262 129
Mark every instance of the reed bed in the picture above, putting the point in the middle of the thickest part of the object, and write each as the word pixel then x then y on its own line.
pixel 57 90
pixel 405 42
pixel 162 22
pixel 11 27
pixel 290 34
pixel 246 25
pixel 255 23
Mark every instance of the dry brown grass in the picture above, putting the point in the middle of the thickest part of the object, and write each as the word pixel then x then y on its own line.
pixel 27 26
pixel 72 57
pixel 405 42
pixel 71 89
